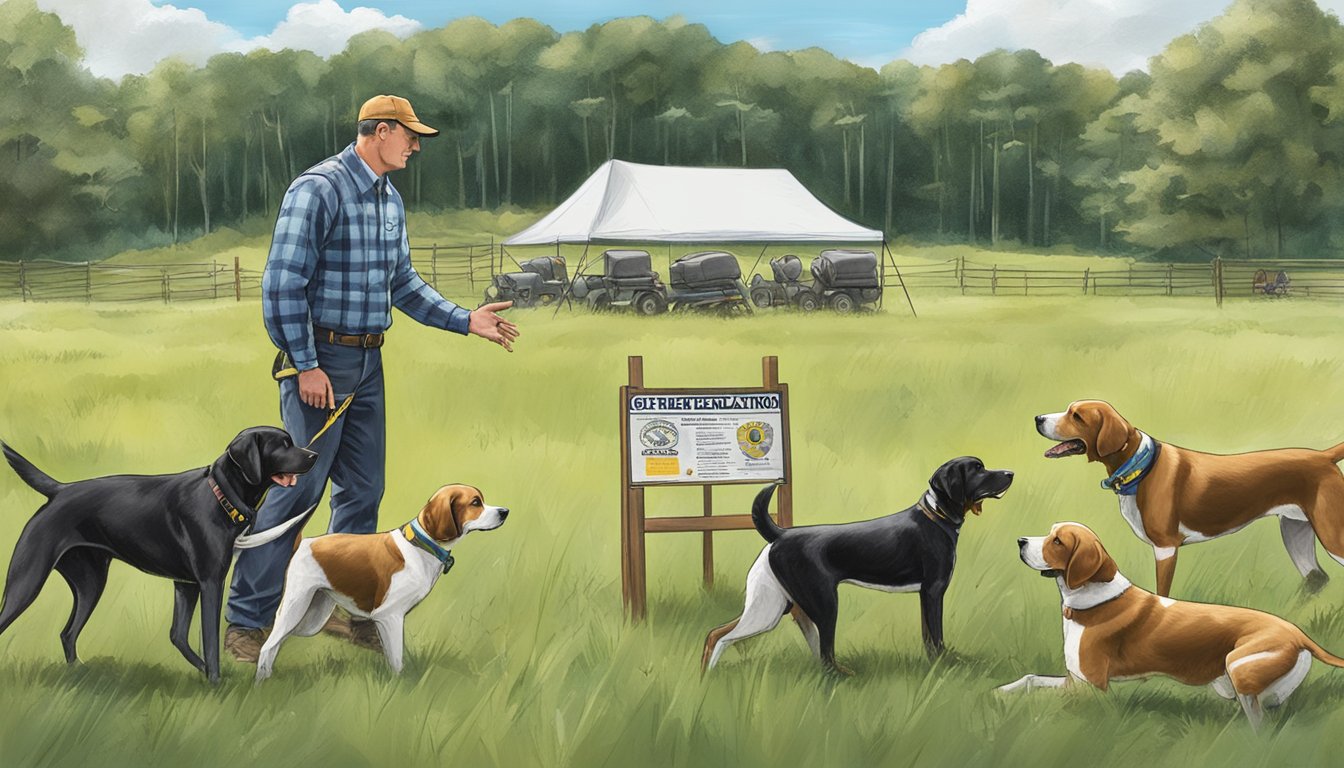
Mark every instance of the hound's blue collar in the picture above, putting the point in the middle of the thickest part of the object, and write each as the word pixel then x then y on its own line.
pixel 417 537
pixel 1125 480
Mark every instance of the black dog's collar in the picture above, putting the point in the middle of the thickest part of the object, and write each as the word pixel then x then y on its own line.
pixel 949 524
pixel 239 514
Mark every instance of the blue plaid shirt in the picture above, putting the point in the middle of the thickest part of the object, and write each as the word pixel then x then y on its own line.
pixel 340 259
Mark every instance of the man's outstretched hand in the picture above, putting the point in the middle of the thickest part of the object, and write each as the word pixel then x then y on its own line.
pixel 486 323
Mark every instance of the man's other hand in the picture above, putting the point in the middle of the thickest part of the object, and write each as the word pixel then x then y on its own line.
pixel 486 323
pixel 315 389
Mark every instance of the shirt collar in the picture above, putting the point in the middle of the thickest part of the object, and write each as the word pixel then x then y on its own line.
pixel 360 170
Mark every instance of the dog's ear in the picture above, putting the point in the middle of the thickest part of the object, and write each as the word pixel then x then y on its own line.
pixel 245 453
pixel 949 485
pixel 1112 434
pixel 1090 562
pixel 439 518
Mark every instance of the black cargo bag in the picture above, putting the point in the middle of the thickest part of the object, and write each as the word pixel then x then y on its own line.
pixel 551 268
pixel 706 269
pixel 845 269
pixel 787 268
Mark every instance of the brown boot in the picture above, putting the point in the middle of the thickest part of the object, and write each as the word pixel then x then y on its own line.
pixel 364 634
pixel 244 643
pixel 338 624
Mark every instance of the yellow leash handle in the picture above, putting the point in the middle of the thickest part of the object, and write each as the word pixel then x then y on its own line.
pixel 336 414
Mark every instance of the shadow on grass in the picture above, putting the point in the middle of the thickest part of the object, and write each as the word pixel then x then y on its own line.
pixel 105 674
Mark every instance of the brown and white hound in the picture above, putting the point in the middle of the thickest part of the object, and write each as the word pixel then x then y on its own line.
pixel 379 576
pixel 1172 496
pixel 1115 631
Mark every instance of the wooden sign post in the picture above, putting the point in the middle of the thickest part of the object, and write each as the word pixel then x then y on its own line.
pixel 704 437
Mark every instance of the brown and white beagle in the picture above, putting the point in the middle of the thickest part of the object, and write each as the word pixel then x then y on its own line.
pixel 1172 496
pixel 379 576
pixel 1115 631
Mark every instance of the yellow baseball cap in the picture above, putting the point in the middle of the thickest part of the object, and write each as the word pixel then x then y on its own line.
pixel 394 108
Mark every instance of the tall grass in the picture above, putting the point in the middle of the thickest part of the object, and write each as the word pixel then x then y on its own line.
pixel 521 656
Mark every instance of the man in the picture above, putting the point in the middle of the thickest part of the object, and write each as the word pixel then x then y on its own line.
pixel 339 261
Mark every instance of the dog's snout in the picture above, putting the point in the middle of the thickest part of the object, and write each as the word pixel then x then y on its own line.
pixel 1040 420
pixel 503 513
pixel 1021 541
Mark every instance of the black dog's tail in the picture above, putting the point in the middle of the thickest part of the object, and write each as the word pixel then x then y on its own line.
pixel 760 515
pixel 39 480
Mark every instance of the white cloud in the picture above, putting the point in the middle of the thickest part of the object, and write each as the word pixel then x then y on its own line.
pixel 763 44
pixel 323 27
pixel 131 36
pixel 1117 34
pixel 121 36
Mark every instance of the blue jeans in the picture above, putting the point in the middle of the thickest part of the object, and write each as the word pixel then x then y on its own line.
pixel 351 454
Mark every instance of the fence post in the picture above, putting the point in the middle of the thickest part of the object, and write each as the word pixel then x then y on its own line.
pixel 434 265
pixel 237 281
pixel 1086 274
pixel 1218 280
pixel 163 285
pixel 88 282
pixel 214 279
pixel 1169 266
pixel 23 282
pixel 994 281
pixel 961 274
pixel 1131 277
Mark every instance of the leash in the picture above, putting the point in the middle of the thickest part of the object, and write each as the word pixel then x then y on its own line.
pixel 336 414
pixel 236 515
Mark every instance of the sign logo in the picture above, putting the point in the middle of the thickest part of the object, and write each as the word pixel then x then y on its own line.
pixel 755 438
pixel 659 437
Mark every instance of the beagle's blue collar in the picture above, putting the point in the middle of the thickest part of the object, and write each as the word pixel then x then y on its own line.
pixel 417 537
pixel 1125 480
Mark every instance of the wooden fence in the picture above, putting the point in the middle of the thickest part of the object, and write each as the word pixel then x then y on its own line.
pixel 457 271
pixel 461 272
pixel 1305 278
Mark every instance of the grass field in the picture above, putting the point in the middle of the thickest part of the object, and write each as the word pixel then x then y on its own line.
pixel 521 657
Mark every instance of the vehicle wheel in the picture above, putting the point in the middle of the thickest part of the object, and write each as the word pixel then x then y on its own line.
pixel 842 303
pixel 760 297
pixel 601 303
pixel 808 301
pixel 648 304
pixel 546 299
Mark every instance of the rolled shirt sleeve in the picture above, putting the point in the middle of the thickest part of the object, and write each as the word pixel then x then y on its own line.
pixel 300 229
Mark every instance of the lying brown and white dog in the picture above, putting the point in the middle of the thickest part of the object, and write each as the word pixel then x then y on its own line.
pixel 1172 496
pixel 1115 631
pixel 378 576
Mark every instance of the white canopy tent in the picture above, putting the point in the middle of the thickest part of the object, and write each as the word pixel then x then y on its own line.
pixel 633 203
pixel 626 202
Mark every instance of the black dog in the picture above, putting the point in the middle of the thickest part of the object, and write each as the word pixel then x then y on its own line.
pixel 183 527
pixel 913 550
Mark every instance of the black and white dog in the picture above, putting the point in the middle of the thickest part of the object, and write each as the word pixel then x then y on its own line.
pixel 183 527
pixel 913 550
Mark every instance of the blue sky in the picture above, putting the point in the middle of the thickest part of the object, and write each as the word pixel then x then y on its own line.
pixel 859 30
pixel 131 36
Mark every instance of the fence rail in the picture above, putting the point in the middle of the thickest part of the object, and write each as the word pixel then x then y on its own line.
pixel 461 272
pixel 454 270
pixel 1304 278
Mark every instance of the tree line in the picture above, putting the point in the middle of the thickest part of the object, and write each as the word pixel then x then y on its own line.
pixel 1230 145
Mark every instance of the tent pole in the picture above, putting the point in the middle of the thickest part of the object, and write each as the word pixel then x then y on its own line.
pixel 887 251
pixel 760 256
pixel 567 298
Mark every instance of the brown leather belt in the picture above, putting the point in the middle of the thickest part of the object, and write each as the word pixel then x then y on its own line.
pixel 365 340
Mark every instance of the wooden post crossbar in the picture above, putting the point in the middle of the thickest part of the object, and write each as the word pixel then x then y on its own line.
pixel 634 525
